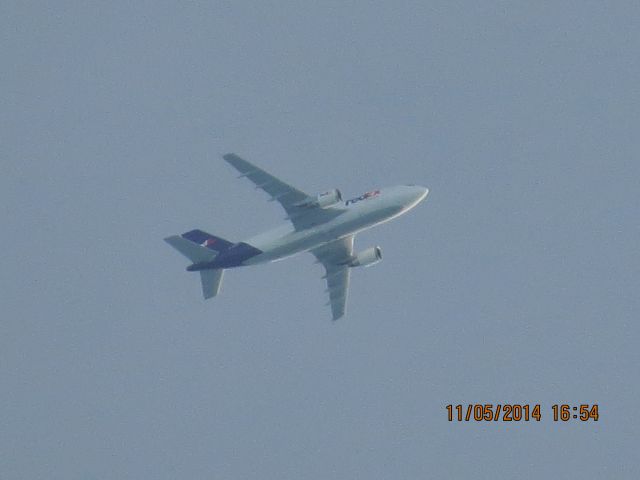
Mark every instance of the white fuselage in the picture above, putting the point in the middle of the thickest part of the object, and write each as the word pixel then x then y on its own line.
pixel 359 214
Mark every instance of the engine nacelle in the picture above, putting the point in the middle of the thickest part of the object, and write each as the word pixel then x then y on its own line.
pixel 328 199
pixel 367 257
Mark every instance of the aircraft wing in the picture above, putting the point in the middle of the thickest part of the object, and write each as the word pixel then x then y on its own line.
pixel 333 257
pixel 288 196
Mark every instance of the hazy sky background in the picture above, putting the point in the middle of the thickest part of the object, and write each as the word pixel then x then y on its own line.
pixel 515 282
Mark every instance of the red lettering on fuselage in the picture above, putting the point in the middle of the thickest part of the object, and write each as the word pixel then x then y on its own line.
pixel 364 196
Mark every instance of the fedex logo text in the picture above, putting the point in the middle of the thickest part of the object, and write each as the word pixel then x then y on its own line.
pixel 364 196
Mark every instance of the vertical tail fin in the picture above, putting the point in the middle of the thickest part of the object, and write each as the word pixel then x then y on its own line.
pixel 198 246
pixel 202 247
pixel 207 240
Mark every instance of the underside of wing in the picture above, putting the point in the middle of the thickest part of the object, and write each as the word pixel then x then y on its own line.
pixel 338 288
pixel 335 257
pixel 295 202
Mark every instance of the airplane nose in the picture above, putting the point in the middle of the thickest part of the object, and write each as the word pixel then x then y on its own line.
pixel 417 192
pixel 412 195
pixel 420 193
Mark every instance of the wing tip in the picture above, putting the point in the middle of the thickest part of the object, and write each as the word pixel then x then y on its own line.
pixel 338 313
pixel 230 157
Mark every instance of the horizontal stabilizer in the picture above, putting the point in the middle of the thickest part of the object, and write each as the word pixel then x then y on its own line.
pixel 211 282
pixel 194 252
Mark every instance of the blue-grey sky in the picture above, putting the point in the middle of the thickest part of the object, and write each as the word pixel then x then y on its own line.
pixel 515 282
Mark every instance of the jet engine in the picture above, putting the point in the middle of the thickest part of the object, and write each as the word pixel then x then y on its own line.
pixel 323 200
pixel 366 258
pixel 328 199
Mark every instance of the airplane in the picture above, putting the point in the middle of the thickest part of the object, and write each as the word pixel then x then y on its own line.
pixel 324 225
